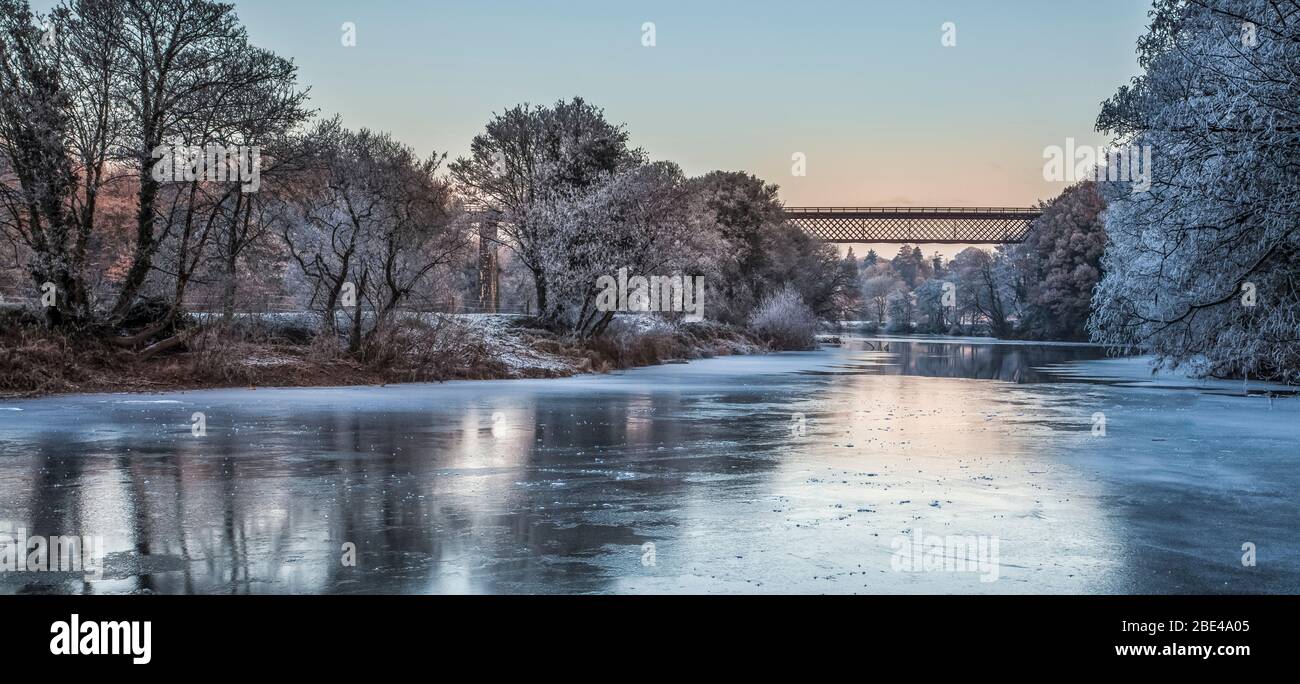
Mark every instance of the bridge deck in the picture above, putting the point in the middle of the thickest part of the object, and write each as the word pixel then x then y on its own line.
pixel 945 225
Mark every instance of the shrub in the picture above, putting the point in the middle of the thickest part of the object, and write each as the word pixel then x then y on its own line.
pixel 435 347
pixel 784 321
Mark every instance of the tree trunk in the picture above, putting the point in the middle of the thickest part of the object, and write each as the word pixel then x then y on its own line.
pixel 228 293
pixel 232 261
pixel 142 260
pixel 354 339
pixel 487 268
pixel 539 284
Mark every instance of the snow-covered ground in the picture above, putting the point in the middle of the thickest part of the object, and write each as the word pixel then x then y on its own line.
pixel 1142 372
pixel 501 336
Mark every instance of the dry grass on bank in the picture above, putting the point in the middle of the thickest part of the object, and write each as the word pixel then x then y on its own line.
pixel 253 352
pixel 632 348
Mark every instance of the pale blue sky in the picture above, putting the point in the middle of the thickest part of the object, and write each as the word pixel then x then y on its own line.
pixel 884 113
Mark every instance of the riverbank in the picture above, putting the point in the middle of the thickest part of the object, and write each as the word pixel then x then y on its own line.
pixel 282 351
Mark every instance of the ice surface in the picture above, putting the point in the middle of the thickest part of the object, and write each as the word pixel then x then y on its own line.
pixel 556 486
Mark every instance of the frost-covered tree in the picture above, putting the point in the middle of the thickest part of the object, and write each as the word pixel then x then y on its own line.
pixel 901 309
pixel 984 295
pixel 1204 268
pixel 1056 268
pixel 759 252
pixel 851 296
pixel 911 266
pixel 812 266
pixel 932 314
pixel 371 225
pixel 38 180
pixel 878 281
pixel 635 219
pixel 745 212
pixel 531 158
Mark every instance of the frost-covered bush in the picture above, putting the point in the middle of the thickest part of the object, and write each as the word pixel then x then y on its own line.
pixel 784 321
pixel 901 310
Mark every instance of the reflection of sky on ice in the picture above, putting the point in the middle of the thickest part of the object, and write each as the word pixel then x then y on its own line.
pixel 554 485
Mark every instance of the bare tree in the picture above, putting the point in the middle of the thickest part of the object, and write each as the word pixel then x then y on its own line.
pixel 206 212
pixel 120 79
pixel 187 61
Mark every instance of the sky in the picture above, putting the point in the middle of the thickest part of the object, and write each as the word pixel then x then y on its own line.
pixel 883 113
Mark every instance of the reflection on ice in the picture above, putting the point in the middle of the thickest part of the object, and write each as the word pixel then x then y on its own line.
pixel 556 485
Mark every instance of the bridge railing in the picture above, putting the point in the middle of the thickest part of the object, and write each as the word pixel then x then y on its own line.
pixel 914 210
pixel 954 225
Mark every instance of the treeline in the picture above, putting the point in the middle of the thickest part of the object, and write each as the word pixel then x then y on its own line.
pixel 117 113
pixel 104 242
pixel 1040 289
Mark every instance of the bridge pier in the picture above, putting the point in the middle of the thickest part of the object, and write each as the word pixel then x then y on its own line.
pixel 489 295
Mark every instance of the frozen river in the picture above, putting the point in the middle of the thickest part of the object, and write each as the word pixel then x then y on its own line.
pixel 790 473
